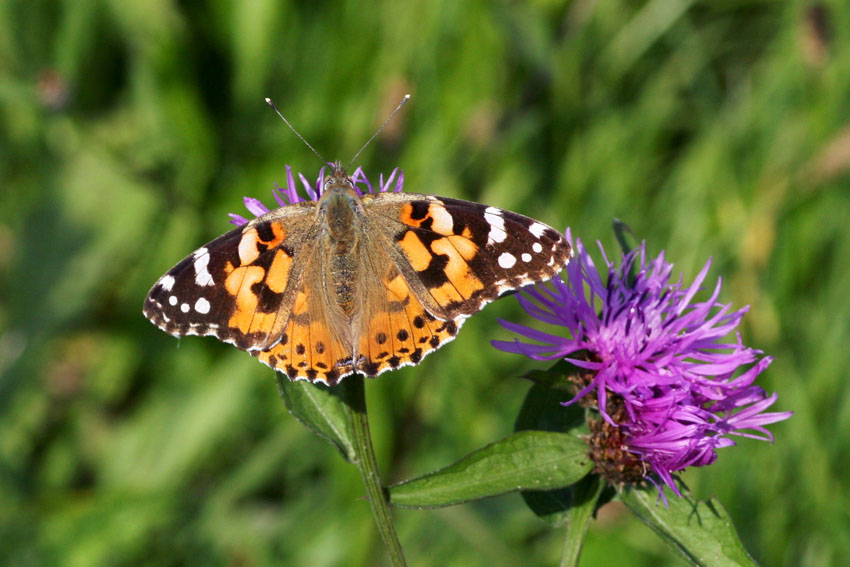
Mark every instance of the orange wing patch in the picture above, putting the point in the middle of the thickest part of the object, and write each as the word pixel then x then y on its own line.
pixel 258 239
pixel 436 218
pixel 403 333
pixel 414 249
pixel 308 352
pixel 454 281
pixel 308 348
pixel 247 317
pixel 238 284
pixel 461 276
pixel 278 274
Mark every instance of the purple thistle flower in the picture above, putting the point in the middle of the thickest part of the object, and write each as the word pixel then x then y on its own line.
pixel 664 379
pixel 289 194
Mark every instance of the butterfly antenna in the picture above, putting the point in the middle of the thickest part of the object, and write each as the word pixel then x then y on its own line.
pixel 300 137
pixel 379 130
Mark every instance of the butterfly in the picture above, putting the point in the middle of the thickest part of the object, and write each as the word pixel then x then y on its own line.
pixel 353 282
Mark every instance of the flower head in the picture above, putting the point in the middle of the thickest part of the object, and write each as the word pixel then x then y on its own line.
pixel 289 194
pixel 669 388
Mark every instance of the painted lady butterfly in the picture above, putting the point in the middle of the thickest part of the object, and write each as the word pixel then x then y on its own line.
pixel 353 283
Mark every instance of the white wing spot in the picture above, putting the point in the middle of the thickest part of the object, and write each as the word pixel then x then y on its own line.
pixel 443 223
pixel 166 282
pixel 202 260
pixel 202 306
pixel 172 300
pixel 537 247
pixel 526 257
pixel 184 307
pixel 537 229
pixel 507 261
pixel 493 216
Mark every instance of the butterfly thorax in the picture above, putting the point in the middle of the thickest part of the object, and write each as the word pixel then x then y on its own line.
pixel 340 214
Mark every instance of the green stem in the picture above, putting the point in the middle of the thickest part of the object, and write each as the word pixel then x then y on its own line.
pixel 585 495
pixel 354 395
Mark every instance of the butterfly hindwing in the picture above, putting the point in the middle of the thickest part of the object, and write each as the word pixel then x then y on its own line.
pixel 396 329
pixel 313 345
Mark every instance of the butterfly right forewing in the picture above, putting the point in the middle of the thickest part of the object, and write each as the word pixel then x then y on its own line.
pixel 239 287
pixel 465 254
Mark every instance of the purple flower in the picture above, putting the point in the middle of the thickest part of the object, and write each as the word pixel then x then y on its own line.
pixel 669 387
pixel 289 195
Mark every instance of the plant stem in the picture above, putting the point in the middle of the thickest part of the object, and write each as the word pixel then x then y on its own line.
pixel 354 395
pixel 585 495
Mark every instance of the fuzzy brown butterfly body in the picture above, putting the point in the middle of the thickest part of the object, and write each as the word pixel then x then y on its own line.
pixel 351 283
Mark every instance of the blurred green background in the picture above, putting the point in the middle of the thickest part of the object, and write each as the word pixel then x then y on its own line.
pixel 128 129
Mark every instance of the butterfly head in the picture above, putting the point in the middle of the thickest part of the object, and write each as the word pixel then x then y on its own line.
pixel 340 206
pixel 337 180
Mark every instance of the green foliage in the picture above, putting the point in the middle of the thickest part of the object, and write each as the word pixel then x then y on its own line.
pixel 528 460
pixel 706 526
pixel 321 409
pixel 129 129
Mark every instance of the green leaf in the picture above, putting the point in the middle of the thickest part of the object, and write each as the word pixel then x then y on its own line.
pixel 542 409
pixel 523 461
pixel 321 409
pixel 700 530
